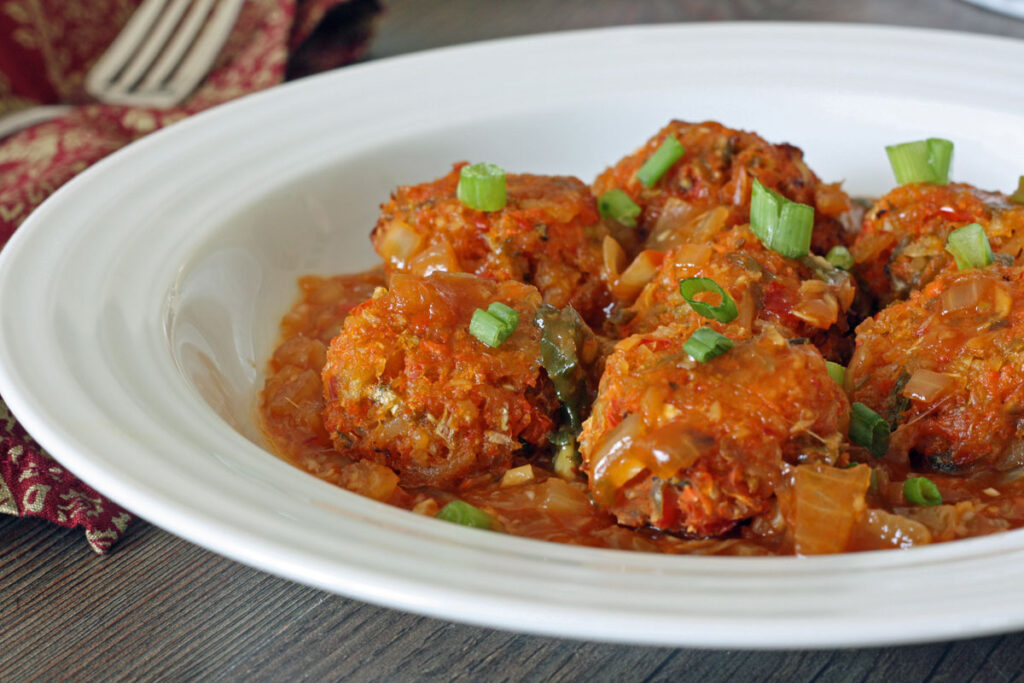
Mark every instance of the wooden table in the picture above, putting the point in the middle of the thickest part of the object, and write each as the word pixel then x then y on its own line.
pixel 159 607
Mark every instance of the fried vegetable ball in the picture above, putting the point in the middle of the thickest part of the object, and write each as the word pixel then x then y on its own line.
pixel 406 385
pixel 809 298
pixel 946 369
pixel 549 235
pixel 708 188
pixel 695 448
pixel 902 244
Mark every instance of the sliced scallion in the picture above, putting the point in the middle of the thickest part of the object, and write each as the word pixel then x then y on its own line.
pixel 724 312
pixel 658 163
pixel 969 247
pixel 506 314
pixel 482 187
pixel 705 344
pixel 617 205
pixel 836 372
pixel 868 429
pixel 782 225
pixel 461 512
pixel 489 329
pixel 840 257
pixel 921 161
pixel 921 491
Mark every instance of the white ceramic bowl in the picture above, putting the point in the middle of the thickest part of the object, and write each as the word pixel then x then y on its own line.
pixel 141 302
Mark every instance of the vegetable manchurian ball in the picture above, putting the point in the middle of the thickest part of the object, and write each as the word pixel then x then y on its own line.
pixel 764 285
pixel 407 386
pixel 695 448
pixel 549 235
pixel 902 244
pixel 946 369
pixel 715 174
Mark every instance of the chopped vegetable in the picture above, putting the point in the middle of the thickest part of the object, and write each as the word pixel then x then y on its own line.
pixel 1018 196
pixel 921 161
pixel 827 502
pixel 705 344
pixel 461 512
pixel 495 325
pixel 840 257
pixel 567 460
pixel 505 313
pixel 969 247
pixel 868 429
pixel 482 187
pixel 563 334
pixel 836 372
pixel 669 153
pixel 782 225
pixel 617 205
pixel 921 491
pixel 724 312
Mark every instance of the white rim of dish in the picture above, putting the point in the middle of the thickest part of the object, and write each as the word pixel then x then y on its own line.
pixel 394 558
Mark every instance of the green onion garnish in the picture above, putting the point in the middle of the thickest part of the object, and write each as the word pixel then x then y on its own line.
pixel 482 187
pixel 782 225
pixel 705 344
pixel 617 205
pixel 724 312
pixel 969 247
pixel 868 429
pixel 659 162
pixel 1018 196
pixel 836 372
pixel 840 257
pixel 921 161
pixel 921 491
pixel 461 512
pixel 494 325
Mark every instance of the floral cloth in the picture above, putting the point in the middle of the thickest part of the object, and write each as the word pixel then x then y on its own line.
pixel 46 49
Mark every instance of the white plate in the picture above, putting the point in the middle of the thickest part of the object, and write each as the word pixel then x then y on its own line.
pixel 141 302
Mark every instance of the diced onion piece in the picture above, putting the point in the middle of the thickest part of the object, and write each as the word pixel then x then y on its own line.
pixel 840 257
pixel 609 452
pixel 559 497
pixel 482 187
pixel 921 491
pixel 618 206
pixel 1018 196
pixel 614 257
pixel 724 312
pixel 963 295
pixel 400 243
pixel 438 257
pixel 461 512
pixel 969 247
pixel 879 529
pixel 921 161
pixel 641 271
pixel 427 507
pixel 827 502
pixel 369 479
pixel 868 429
pixel 672 221
pixel 517 475
pixel 658 163
pixel 926 385
pixel 705 344
pixel 836 372
pixel 782 225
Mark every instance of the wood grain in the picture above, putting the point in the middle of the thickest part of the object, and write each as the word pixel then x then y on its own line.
pixel 161 608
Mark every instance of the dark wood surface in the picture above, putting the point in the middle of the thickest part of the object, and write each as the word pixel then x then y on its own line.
pixel 161 608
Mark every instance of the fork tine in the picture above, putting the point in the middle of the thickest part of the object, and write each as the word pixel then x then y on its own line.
pixel 179 44
pixel 113 61
pixel 151 47
pixel 206 47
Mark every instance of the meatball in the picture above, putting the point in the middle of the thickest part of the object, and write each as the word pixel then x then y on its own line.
pixel 902 244
pixel 946 369
pixel 695 448
pixel 549 234
pixel 708 189
pixel 764 285
pixel 407 386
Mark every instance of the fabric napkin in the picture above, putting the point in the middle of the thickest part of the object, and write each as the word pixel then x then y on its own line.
pixel 46 49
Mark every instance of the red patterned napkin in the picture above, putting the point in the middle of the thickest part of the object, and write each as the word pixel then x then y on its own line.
pixel 46 49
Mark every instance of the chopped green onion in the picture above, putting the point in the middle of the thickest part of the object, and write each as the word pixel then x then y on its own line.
pixel 461 512
pixel 840 257
pixel 921 161
pixel 489 329
pixel 836 372
pixel 705 344
pixel 658 163
pixel 868 429
pixel 1018 196
pixel 969 247
pixel 782 225
pixel 724 312
pixel 617 205
pixel 921 491
pixel 506 314
pixel 482 187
